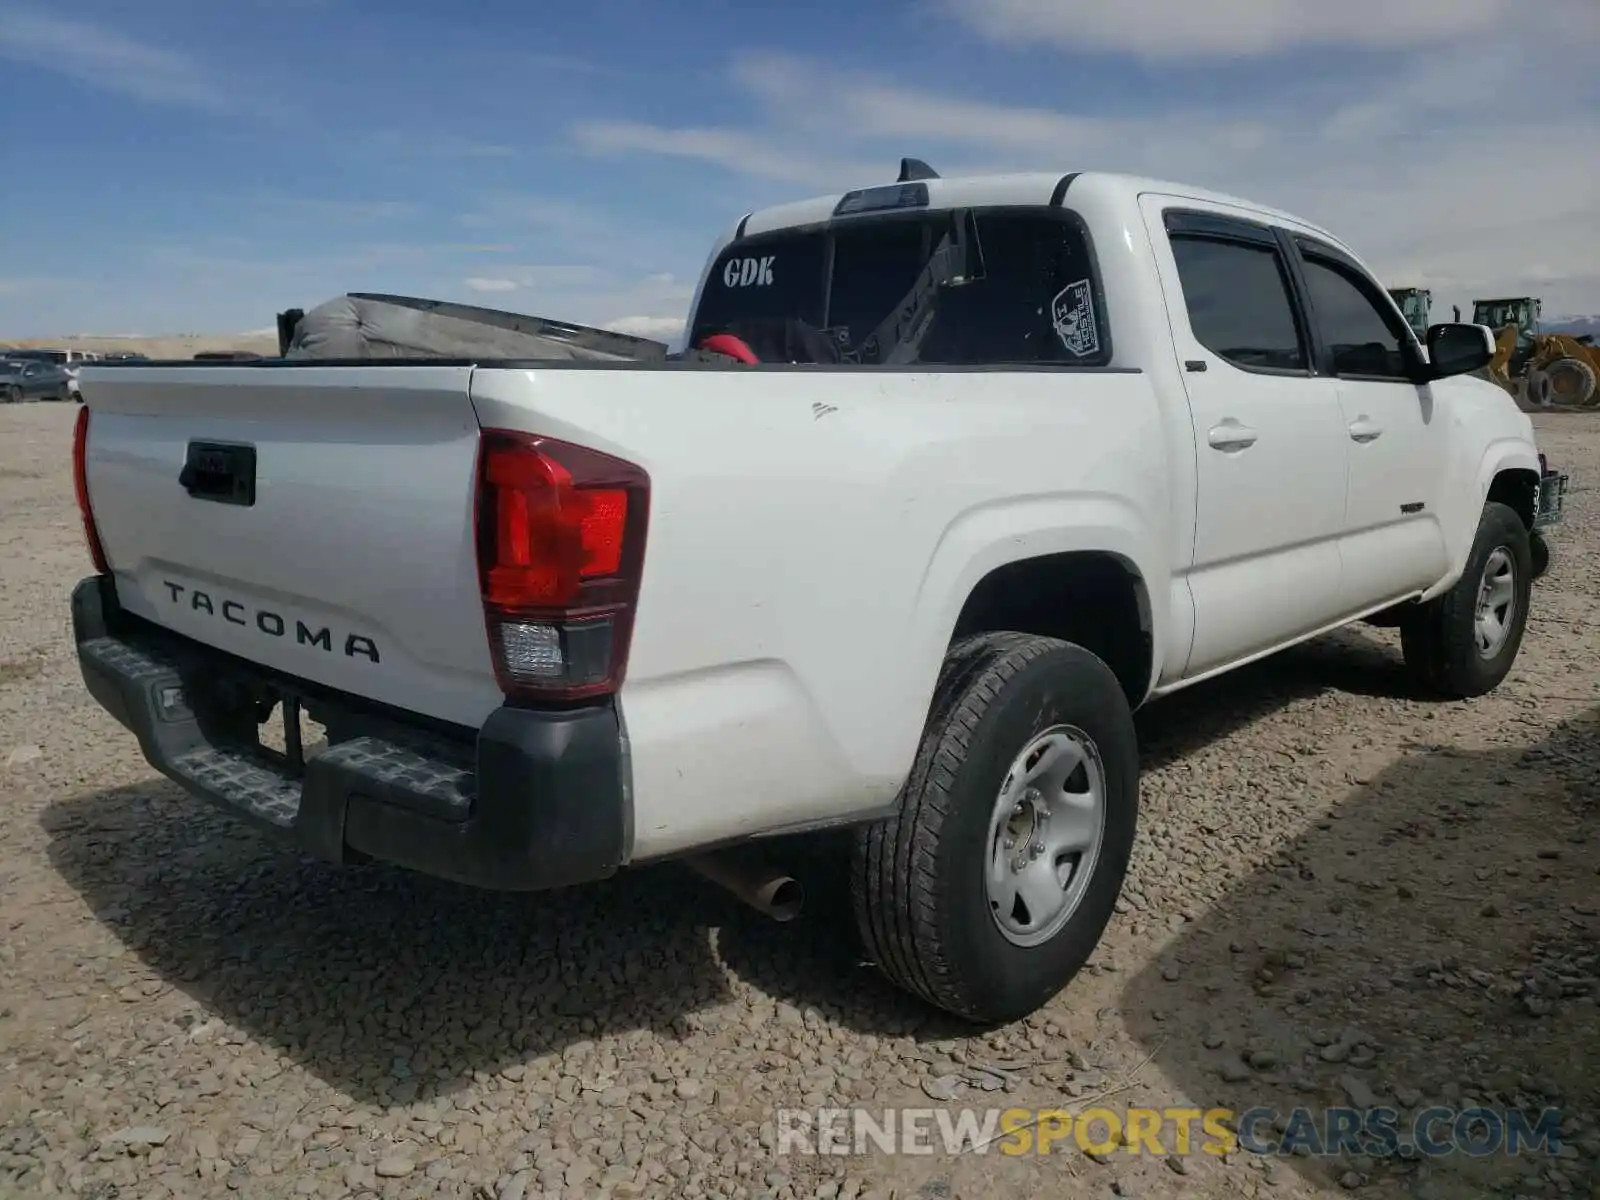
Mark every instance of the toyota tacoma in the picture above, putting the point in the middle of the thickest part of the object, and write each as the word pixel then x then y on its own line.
pixel 952 476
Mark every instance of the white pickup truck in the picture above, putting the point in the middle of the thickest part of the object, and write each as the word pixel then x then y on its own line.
pixel 956 474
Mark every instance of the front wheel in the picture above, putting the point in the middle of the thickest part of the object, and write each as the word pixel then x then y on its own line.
pixel 13 395
pixel 1463 643
pixel 991 886
pixel 1539 550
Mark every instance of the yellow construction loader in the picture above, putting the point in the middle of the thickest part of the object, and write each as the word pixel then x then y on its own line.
pixel 1541 370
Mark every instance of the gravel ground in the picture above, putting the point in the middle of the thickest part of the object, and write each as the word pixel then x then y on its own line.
pixel 1342 894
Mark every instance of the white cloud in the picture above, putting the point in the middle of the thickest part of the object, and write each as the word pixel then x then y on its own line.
pixel 730 148
pixel 107 59
pixel 318 208
pixel 412 143
pixel 1244 28
pixel 662 329
pixel 492 285
pixel 1467 167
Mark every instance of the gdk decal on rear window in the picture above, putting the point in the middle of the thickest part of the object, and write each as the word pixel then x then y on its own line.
pixel 748 272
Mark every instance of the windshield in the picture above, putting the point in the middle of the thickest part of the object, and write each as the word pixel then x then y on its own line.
pixel 971 287
pixel 1497 316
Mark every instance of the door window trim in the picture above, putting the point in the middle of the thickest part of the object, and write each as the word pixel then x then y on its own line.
pixel 1201 225
pixel 1307 248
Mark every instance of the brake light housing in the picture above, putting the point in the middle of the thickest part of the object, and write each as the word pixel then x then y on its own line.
pixel 560 544
pixel 80 485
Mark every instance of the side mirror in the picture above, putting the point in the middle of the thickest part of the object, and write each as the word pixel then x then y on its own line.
pixel 1458 349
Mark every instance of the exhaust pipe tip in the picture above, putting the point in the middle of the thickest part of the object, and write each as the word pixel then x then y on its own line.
pixel 785 899
pixel 765 889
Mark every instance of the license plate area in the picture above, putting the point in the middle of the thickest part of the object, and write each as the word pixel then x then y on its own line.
pixel 1552 499
pixel 222 472
pixel 286 735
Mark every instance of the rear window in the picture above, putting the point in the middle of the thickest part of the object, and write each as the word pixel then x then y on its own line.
pixel 968 287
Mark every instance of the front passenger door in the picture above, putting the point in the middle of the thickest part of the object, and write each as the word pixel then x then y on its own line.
pixel 1393 544
pixel 1268 436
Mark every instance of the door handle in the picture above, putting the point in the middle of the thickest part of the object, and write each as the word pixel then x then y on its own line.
pixel 1363 430
pixel 1230 435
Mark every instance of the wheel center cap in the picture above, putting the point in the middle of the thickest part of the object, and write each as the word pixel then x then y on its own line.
pixel 1025 829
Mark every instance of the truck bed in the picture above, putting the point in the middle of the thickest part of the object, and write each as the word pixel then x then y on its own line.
pixel 811 534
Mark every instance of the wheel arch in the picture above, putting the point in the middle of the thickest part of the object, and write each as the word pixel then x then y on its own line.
pixel 1097 599
pixel 1058 542
pixel 1508 472
pixel 1518 489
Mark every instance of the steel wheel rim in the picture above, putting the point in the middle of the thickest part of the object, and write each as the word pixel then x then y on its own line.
pixel 1045 835
pixel 1497 603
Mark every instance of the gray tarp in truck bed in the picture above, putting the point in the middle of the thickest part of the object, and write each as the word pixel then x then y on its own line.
pixel 365 325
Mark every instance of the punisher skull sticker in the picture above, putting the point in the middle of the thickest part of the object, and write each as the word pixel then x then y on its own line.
pixel 1072 314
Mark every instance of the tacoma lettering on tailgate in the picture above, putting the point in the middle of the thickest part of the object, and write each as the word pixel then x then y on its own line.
pixel 268 622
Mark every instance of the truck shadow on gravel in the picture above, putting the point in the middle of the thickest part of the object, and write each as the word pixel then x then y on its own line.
pixel 388 985
pixel 1433 941
pixel 391 986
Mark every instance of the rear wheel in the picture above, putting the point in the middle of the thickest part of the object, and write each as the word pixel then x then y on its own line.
pixel 989 889
pixel 1463 643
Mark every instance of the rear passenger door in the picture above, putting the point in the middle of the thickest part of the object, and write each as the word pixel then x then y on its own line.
pixel 1393 544
pixel 1270 439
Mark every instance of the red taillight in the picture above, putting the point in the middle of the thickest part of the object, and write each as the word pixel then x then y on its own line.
pixel 561 532
pixel 80 484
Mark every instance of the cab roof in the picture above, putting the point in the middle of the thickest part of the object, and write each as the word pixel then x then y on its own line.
pixel 1033 188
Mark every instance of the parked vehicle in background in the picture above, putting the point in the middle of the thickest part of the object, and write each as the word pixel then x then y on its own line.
pixel 23 379
pixel 956 475
pixel 1415 305
pixel 61 358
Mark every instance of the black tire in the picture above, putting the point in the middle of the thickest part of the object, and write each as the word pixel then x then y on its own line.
pixel 1539 551
pixel 1571 381
pixel 1440 640
pixel 917 879
pixel 13 395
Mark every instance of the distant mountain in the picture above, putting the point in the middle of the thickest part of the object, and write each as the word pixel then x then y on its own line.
pixel 1576 326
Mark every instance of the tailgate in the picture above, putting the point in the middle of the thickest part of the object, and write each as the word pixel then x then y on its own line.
pixel 353 563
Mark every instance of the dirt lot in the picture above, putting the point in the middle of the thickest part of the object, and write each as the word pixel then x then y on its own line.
pixel 1343 894
pixel 177 345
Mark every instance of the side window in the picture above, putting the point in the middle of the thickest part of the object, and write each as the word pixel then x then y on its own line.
pixel 1364 338
pixel 1239 302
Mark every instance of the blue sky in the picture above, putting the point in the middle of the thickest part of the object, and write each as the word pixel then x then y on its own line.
pixel 181 166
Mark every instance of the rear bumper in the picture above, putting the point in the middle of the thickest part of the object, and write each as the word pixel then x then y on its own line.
pixel 533 800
